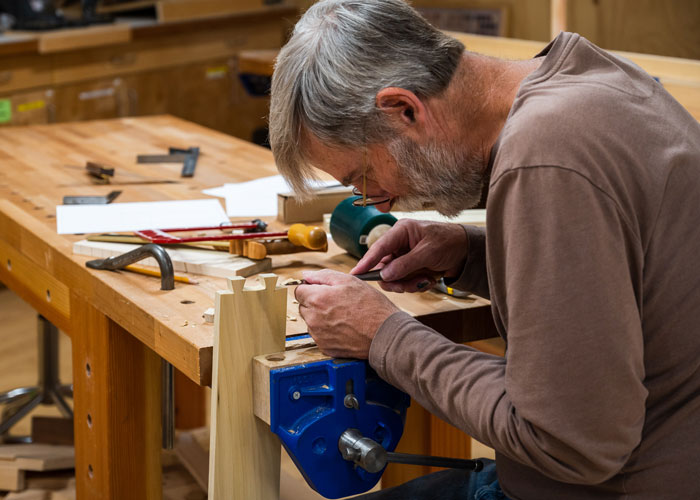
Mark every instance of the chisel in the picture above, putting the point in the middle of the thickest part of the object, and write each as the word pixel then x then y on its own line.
pixel 370 276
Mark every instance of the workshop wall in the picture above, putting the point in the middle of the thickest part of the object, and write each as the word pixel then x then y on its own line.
pixel 662 27
pixel 189 70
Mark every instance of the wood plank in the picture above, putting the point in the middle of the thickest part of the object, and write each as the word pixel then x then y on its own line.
pixel 244 453
pixel 110 7
pixel 558 11
pixel 116 382
pixel 185 260
pixel 32 494
pixel 78 38
pixel 257 62
pixel 52 430
pixel 194 458
pixel 37 457
pixel 190 400
pixel 262 365
pixel 11 477
pixel 178 10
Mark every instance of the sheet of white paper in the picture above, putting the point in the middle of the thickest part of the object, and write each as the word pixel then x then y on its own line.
pixel 257 198
pixel 219 191
pixel 118 217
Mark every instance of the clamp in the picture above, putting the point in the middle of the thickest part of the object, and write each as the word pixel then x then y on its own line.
pixel 311 405
pixel 340 424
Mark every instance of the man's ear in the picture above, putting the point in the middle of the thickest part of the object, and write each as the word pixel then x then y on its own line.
pixel 403 108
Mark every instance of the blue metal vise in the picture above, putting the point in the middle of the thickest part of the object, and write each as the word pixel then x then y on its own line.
pixel 311 405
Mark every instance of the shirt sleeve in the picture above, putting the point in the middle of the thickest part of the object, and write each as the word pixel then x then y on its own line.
pixel 474 278
pixel 568 400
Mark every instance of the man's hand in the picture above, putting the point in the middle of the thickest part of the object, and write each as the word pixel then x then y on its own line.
pixel 343 313
pixel 414 253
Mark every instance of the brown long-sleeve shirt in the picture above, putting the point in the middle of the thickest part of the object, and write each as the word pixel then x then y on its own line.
pixel 591 259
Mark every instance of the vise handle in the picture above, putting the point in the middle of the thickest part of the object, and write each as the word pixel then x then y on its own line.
pixel 371 456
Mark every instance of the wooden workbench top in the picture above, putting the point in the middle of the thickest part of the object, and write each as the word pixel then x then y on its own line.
pixel 41 164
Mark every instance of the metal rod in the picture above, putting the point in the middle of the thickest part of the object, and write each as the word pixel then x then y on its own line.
pixel 448 463
pixel 165 239
pixel 47 337
pixel 23 409
pixel 11 395
pixel 168 404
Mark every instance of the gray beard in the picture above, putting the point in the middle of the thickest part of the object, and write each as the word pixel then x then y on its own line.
pixel 441 178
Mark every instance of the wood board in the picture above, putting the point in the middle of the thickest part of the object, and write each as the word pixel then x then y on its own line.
pixel 11 478
pixel 179 10
pixel 244 458
pixel 194 457
pixel 185 260
pixel 37 457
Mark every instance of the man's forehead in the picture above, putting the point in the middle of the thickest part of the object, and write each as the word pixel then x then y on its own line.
pixel 335 160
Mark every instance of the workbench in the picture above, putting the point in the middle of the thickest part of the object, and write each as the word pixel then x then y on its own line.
pixel 138 67
pixel 121 324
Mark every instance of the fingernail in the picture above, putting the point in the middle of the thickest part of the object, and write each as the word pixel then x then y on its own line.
pixel 423 284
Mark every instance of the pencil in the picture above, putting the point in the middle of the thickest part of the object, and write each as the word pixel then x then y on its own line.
pixel 151 272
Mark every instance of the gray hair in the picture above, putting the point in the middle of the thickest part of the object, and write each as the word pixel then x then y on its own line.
pixel 341 53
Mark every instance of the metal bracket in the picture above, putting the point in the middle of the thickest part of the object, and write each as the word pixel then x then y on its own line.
pixel 167 274
pixel 91 200
pixel 188 157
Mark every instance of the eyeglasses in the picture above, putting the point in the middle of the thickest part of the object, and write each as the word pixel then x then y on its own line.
pixel 364 200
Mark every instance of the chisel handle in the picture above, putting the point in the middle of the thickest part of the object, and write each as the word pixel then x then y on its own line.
pixel 311 237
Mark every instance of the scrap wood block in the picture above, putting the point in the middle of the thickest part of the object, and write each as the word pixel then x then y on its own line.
pixel 194 457
pixel 65 494
pixel 11 478
pixel 178 484
pixel 52 430
pixel 261 374
pixel 30 495
pixel 244 459
pixel 50 480
pixel 291 209
pixel 37 457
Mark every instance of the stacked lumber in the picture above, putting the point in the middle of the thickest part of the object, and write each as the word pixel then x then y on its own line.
pixel 18 462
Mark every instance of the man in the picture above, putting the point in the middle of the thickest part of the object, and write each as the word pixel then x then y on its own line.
pixel 590 257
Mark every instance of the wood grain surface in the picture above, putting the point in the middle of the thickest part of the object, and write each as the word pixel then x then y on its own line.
pixel 244 456
pixel 41 164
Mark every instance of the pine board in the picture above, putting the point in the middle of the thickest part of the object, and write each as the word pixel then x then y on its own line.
pixel 37 457
pixel 185 260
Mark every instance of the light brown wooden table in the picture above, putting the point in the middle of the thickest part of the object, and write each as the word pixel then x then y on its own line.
pixel 120 324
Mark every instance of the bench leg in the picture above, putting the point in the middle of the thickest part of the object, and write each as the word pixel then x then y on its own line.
pixel 117 410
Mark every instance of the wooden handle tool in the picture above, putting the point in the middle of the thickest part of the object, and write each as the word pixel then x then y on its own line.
pixel 311 237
